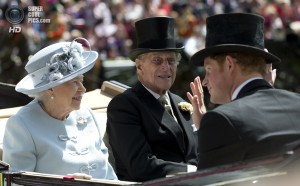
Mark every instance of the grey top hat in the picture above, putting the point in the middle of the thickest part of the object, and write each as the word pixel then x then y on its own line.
pixel 234 32
pixel 155 34
pixel 54 65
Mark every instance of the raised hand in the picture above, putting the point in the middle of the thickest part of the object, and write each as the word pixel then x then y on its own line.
pixel 270 74
pixel 197 101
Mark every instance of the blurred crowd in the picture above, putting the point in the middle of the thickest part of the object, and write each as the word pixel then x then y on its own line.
pixel 108 25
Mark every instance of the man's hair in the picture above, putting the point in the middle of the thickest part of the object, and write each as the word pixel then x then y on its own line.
pixel 248 62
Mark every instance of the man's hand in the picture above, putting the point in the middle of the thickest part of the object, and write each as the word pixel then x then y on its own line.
pixel 197 101
pixel 270 74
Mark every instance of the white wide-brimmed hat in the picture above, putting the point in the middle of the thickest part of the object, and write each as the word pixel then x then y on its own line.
pixel 54 65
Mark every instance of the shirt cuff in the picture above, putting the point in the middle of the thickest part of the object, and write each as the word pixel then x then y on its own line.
pixel 194 128
pixel 191 168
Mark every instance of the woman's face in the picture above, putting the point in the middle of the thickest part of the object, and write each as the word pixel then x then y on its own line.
pixel 68 95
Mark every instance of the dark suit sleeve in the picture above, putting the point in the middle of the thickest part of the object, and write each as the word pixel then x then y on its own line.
pixel 127 137
pixel 218 141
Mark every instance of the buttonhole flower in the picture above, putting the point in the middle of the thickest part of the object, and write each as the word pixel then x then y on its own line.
pixel 185 106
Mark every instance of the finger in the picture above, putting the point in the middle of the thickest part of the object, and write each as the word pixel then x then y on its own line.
pixel 190 97
pixel 199 88
pixel 193 100
pixel 269 67
pixel 193 88
pixel 274 72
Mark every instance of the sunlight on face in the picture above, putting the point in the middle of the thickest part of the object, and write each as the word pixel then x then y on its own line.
pixel 157 70
pixel 215 81
pixel 68 95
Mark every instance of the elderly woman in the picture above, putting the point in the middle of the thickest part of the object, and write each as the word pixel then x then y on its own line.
pixel 54 134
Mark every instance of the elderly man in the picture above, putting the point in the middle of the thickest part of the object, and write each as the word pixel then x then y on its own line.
pixel 150 129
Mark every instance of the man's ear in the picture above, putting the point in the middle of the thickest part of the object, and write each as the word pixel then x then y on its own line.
pixel 230 63
pixel 138 64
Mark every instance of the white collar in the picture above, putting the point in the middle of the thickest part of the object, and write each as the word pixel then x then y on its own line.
pixel 238 89
pixel 155 94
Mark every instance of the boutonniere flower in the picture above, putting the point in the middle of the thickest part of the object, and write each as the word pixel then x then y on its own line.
pixel 185 106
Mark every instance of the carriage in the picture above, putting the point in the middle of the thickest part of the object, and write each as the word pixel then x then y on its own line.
pixel 279 169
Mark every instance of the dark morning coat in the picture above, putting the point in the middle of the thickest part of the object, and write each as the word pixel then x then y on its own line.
pixel 146 141
pixel 261 121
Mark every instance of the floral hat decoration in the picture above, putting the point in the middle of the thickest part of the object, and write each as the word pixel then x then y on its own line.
pixel 56 64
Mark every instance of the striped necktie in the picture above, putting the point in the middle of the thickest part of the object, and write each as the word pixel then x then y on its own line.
pixel 164 101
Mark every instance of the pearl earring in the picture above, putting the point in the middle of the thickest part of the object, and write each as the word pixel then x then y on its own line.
pixel 52 97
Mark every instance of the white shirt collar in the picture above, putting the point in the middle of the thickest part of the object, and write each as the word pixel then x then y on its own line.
pixel 155 94
pixel 238 89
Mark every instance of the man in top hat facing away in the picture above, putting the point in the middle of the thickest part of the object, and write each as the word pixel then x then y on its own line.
pixel 254 119
pixel 150 141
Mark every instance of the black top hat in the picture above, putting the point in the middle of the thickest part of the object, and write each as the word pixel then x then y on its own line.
pixel 234 32
pixel 154 34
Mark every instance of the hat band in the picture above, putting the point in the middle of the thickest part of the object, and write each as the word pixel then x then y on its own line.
pixel 38 76
pixel 158 44
pixel 254 44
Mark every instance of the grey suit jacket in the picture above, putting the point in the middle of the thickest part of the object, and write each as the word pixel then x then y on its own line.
pixel 146 141
pixel 262 121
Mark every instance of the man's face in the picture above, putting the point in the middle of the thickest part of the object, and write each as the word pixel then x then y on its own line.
pixel 217 81
pixel 157 70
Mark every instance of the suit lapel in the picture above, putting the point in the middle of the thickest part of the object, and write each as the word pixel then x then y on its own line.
pixel 183 117
pixel 160 114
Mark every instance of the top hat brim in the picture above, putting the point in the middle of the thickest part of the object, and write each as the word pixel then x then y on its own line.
pixel 198 58
pixel 136 52
pixel 26 85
